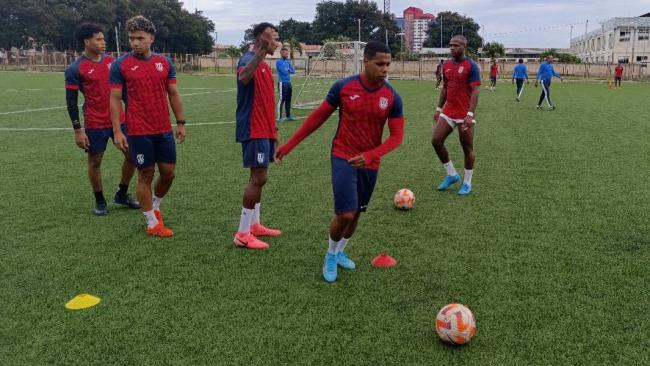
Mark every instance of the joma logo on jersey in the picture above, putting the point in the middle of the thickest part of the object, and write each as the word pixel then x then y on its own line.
pixel 159 66
pixel 383 102
pixel 260 158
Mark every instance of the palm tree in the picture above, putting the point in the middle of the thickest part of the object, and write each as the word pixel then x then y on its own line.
pixel 493 50
pixel 294 45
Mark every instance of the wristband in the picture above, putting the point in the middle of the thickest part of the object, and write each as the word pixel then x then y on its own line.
pixel 438 109
pixel 180 122
pixel 76 125
pixel 471 114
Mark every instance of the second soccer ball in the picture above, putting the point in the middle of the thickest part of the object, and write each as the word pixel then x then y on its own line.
pixel 404 199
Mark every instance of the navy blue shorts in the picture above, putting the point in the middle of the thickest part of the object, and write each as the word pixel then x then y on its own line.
pixel 493 79
pixel 98 139
pixel 147 150
pixel 352 187
pixel 258 153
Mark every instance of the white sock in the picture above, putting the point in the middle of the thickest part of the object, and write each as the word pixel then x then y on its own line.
pixel 468 177
pixel 245 220
pixel 152 221
pixel 256 215
pixel 156 202
pixel 449 167
pixel 341 246
pixel 333 247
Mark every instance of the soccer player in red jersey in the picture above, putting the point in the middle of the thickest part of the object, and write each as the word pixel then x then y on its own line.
pixel 89 74
pixel 494 74
pixel 456 107
pixel 365 103
pixel 256 131
pixel 618 75
pixel 145 80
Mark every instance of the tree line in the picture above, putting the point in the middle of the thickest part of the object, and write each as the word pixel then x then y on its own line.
pixel 51 23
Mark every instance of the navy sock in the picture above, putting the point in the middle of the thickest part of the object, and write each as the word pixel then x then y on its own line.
pixel 99 196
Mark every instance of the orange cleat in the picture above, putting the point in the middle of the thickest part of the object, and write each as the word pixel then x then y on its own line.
pixel 261 230
pixel 249 241
pixel 160 230
pixel 159 216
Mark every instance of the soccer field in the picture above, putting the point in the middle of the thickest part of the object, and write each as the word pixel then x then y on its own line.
pixel 550 251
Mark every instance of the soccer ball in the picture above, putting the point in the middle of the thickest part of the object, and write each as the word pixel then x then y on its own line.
pixel 404 199
pixel 455 324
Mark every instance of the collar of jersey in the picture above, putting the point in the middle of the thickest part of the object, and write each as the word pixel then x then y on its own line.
pixel 135 55
pixel 460 62
pixel 367 88
pixel 95 62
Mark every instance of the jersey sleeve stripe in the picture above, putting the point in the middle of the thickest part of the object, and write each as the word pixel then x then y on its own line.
pixel 72 86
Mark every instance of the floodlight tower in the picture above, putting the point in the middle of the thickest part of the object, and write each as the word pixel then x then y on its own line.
pixel 386 6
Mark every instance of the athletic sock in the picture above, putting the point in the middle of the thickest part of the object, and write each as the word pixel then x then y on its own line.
pixel 156 202
pixel 449 167
pixel 123 188
pixel 333 247
pixel 341 246
pixel 256 214
pixel 245 220
pixel 99 196
pixel 150 216
pixel 468 177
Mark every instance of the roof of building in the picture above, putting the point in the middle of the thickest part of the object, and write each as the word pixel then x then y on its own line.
pixel 613 23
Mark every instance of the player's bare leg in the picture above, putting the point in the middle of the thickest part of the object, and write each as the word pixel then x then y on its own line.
pixel 342 227
pixel 95 177
pixel 155 225
pixel 249 226
pixel 466 137
pixel 440 134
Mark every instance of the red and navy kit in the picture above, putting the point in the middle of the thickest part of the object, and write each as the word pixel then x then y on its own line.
pixel 618 72
pixel 255 103
pixel 91 78
pixel 494 70
pixel 144 83
pixel 460 78
pixel 363 112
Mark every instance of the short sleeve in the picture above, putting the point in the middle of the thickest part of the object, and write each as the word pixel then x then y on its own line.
pixel 475 75
pixel 334 95
pixel 72 77
pixel 171 75
pixel 116 77
pixel 243 61
pixel 396 110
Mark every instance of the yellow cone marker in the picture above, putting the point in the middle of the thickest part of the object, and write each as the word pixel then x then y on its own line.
pixel 82 301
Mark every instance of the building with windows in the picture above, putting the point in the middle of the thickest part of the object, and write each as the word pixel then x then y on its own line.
pixel 416 24
pixel 625 40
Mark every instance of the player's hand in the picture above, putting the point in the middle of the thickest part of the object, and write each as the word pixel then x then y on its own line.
pixel 358 162
pixel 81 139
pixel 119 140
pixel 268 42
pixel 180 133
pixel 436 116
pixel 467 124
pixel 279 155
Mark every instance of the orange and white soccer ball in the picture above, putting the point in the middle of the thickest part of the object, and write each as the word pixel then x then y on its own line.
pixel 404 199
pixel 455 324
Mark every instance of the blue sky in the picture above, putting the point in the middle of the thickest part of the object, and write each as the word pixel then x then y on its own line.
pixel 513 23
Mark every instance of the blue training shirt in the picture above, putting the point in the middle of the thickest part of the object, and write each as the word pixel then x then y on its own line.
pixel 285 70
pixel 546 72
pixel 520 72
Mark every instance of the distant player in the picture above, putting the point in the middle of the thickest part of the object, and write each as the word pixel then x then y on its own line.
pixel 494 74
pixel 439 74
pixel 456 108
pixel 618 75
pixel 285 70
pixel 256 131
pixel 544 76
pixel 520 75
pixel 365 103
pixel 145 80
pixel 89 74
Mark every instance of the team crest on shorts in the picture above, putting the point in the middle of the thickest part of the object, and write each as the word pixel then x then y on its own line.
pixel 159 66
pixel 260 158
pixel 383 102
pixel 461 69
pixel 140 158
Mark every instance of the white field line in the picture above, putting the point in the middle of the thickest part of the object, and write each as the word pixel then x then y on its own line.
pixel 51 108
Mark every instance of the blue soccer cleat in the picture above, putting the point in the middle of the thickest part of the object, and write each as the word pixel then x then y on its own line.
pixel 448 182
pixel 465 189
pixel 344 262
pixel 329 268
pixel 101 209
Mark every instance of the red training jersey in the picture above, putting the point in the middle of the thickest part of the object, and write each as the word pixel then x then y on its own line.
pixel 91 78
pixel 460 78
pixel 255 103
pixel 618 71
pixel 144 83
pixel 494 70
pixel 363 112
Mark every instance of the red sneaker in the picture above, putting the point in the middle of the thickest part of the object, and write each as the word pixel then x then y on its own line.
pixel 249 241
pixel 159 216
pixel 160 230
pixel 261 230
